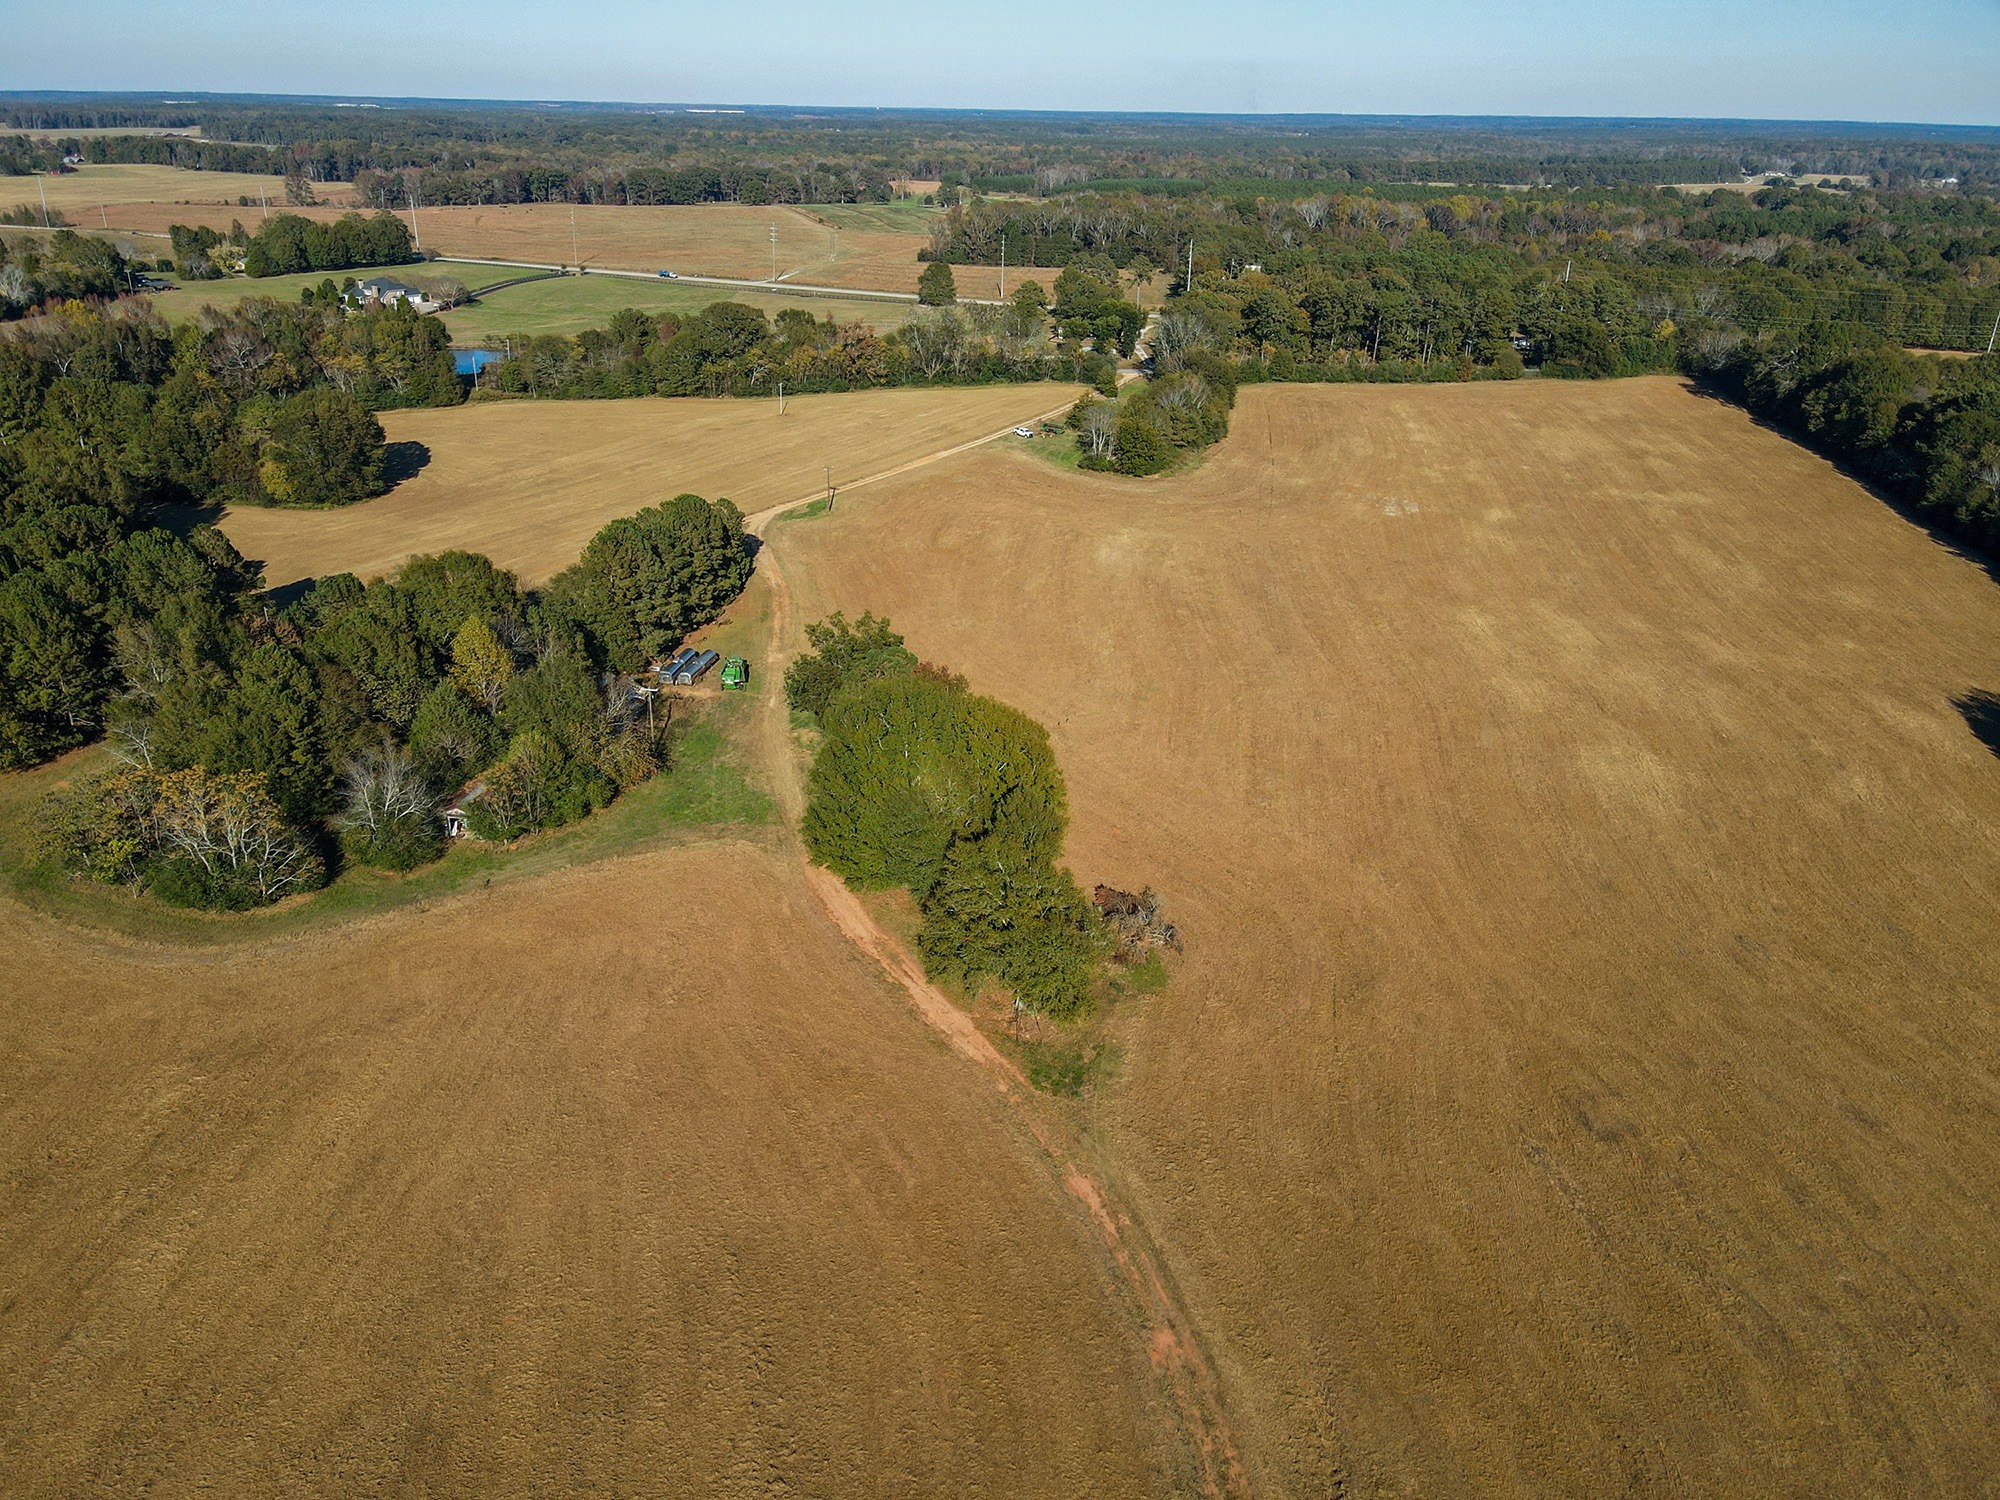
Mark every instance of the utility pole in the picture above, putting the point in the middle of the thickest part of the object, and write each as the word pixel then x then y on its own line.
pixel 574 254
pixel 410 198
pixel 774 252
pixel 1995 334
pixel 43 190
pixel 264 201
pixel 106 213
pixel 781 398
pixel 1003 268
pixel 1190 277
pixel 1566 265
pixel 829 487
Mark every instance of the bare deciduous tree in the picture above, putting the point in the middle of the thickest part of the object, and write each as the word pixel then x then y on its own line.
pixel 936 341
pixel 380 787
pixel 230 826
pixel 1098 426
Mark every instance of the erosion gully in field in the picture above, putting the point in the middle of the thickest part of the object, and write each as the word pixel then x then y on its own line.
pixel 1580 1077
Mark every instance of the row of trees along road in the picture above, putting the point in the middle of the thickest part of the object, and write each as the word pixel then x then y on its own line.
pixel 730 349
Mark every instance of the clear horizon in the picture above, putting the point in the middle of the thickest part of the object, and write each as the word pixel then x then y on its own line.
pixel 1849 61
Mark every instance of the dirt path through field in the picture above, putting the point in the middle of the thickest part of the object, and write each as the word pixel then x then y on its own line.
pixel 764 517
pixel 1186 1378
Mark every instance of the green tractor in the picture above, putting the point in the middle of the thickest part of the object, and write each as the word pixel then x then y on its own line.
pixel 735 673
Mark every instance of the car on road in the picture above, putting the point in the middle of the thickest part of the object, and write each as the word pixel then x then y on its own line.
pixel 671 275
pixel 1024 432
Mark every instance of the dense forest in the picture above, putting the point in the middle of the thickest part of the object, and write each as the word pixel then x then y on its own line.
pixel 1460 272
pixel 109 416
pixel 483 152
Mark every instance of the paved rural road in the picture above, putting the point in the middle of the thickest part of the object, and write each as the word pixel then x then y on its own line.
pixel 796 288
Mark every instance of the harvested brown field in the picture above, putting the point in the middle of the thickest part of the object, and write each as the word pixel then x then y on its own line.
pixel 529 482
pixel 513 1197
pixel 137 188
pixel 711 239
pixel 1581 1078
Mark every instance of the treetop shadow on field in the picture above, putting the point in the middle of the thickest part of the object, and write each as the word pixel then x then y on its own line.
pixel 1931 528
pixel 1981 711
pixel 404 460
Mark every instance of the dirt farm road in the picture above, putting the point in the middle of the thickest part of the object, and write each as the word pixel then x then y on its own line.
pixel 1186 1378
pixel 756 523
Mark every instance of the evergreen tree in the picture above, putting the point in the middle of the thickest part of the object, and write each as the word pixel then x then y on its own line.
pixel 937 287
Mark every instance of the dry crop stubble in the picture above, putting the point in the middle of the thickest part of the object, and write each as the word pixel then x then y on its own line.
pixel 707 239
pixel 513 1196
pixel 528 483
pixel 1581 1078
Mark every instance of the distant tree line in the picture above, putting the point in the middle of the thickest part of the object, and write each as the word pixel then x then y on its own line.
pixel 603 153
pixel 919 783
pixel 632 186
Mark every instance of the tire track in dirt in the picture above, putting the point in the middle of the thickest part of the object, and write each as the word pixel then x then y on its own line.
pixel 1187 1381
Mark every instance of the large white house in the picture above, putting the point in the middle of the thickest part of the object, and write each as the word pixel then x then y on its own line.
pixel 378 291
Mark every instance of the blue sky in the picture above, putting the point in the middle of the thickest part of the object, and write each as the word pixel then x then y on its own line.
pixel 1920 60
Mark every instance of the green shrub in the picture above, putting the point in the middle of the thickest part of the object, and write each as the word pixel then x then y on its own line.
pixel 919 783
pixel 1140 448
pixel 844 656
pixel 402 844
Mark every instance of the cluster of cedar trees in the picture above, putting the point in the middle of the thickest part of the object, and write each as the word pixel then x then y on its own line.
pixel 919 783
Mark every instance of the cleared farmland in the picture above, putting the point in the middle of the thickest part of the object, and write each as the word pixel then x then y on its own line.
pixel 508 1197
pixel 565 304
pixel 871 249
pixel 124 185
pixel 1581 1077
pixel 529 482
pixel 570 304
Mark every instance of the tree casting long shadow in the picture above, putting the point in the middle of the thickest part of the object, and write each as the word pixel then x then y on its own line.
pixel 1981 710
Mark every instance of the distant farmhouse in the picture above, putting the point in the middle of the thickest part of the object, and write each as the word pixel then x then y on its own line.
pixel 380 291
